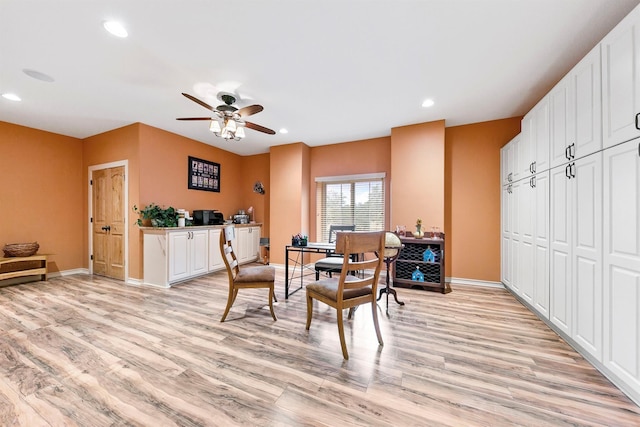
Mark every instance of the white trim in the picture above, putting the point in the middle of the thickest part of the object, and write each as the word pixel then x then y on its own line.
pixel 473 282
pixel 134 282
pixel 357 177
pixel 68 272
pixel 115 164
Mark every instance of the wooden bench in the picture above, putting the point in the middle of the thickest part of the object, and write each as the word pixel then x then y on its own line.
pixel 23 266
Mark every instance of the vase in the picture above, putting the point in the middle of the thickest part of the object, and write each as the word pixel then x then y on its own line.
pixel 418 234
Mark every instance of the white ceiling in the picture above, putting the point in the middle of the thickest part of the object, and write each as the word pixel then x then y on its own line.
pixel 329 71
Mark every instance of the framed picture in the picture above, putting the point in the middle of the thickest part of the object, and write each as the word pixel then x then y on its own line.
pixel 203 175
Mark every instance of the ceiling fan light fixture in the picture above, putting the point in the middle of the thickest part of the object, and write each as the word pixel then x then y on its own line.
pixel 231 126
pixel 240 132
pixel 215 127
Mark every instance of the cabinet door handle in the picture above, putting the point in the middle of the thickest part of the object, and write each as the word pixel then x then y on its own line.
pixel 566 171
pixel 638 121
pixel 572 150
pixel 534 182
pixel 566 152
pixel 535 166
pixel 573 170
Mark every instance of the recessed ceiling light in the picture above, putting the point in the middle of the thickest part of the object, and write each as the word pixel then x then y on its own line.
pixel 115 28
pixel 38 75
pixel 11 97
pixel 283 130
pixel 428 103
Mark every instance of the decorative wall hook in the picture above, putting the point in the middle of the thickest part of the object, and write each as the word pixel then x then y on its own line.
pixel 258 188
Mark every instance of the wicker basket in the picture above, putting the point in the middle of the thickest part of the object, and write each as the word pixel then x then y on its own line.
pixel 20 249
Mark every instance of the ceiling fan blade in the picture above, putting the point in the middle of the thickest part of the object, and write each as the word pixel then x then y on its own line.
pixel 194 118
pixel 196 100
pixel 259 128
pixel 249 110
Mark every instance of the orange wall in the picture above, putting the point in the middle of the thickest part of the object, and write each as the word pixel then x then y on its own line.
pixel 472 177
pixel 350 158
pixel 417 175
pixel 289 199
pixel 256 168
pixel 41 193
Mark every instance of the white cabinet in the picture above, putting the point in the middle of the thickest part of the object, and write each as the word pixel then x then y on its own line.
pixel 532 272
pixel 215 256
pixel 534 146
pixel 576 251
pixel 575 112
pixel 540 184
pixel 188 254
pixel 622 262
pixel 509 161
pixel 621 81
pixel 247 244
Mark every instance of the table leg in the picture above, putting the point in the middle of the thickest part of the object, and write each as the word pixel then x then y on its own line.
pixel 286 273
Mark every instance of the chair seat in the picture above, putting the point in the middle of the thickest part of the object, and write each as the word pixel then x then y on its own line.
pixel 328 288
pixel 260 273
pixel 329 263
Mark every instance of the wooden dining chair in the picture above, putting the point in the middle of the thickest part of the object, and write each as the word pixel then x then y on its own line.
pixel 261 276
pixel 349 290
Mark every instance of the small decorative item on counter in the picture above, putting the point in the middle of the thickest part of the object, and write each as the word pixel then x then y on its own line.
pixel 418 234
pixel 299 240
pixel 417 275
pixel 429 255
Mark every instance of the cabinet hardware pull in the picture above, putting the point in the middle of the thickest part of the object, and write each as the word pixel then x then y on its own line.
pixel 566 152
pixel 535 166
pixel 566 171
pixel 638 121
pixel 639 149
pixel 573 170
pixel 572 150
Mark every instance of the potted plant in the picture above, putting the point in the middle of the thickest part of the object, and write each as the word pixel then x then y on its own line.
pixel 155 216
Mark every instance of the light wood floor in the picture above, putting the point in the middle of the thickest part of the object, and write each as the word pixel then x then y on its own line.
pixel 89 351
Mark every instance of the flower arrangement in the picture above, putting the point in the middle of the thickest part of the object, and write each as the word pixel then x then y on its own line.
pixel 418 233
pixel 299 239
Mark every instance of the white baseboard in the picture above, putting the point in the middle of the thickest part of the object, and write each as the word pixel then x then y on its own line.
pixel 473 282
pixel 68 272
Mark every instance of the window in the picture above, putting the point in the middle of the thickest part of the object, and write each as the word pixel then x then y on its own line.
pixel 354 199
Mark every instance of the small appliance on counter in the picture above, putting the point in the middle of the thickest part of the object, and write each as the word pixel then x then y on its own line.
pixel 241 217
pixel 207 217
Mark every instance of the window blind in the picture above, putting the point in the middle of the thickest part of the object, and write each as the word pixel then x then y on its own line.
pixel 348 200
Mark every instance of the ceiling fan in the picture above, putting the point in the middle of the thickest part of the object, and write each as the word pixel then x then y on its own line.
pixel 229 121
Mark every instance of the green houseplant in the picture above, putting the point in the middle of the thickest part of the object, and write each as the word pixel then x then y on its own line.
pixel 155 216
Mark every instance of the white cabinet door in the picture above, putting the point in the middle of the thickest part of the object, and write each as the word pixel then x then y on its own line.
pixel 559 134
pixel 621 270
pixel 199 252
pixel 576 254
pixel 621 81
pixel 215 256
pixel 586 266
pixel 516 235
pixel 561 298
pixel 526 251
pixel 585 118
pixel 254 248
pixel 575 112
pixel 179 262
pixel 188 255
pixel 541 243
pixel 508 160
pixel 535 130
pixel 242 244
pixel 505 242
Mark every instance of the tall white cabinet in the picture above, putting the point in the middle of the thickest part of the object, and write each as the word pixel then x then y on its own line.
pixel 621 297
pixel 571 220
